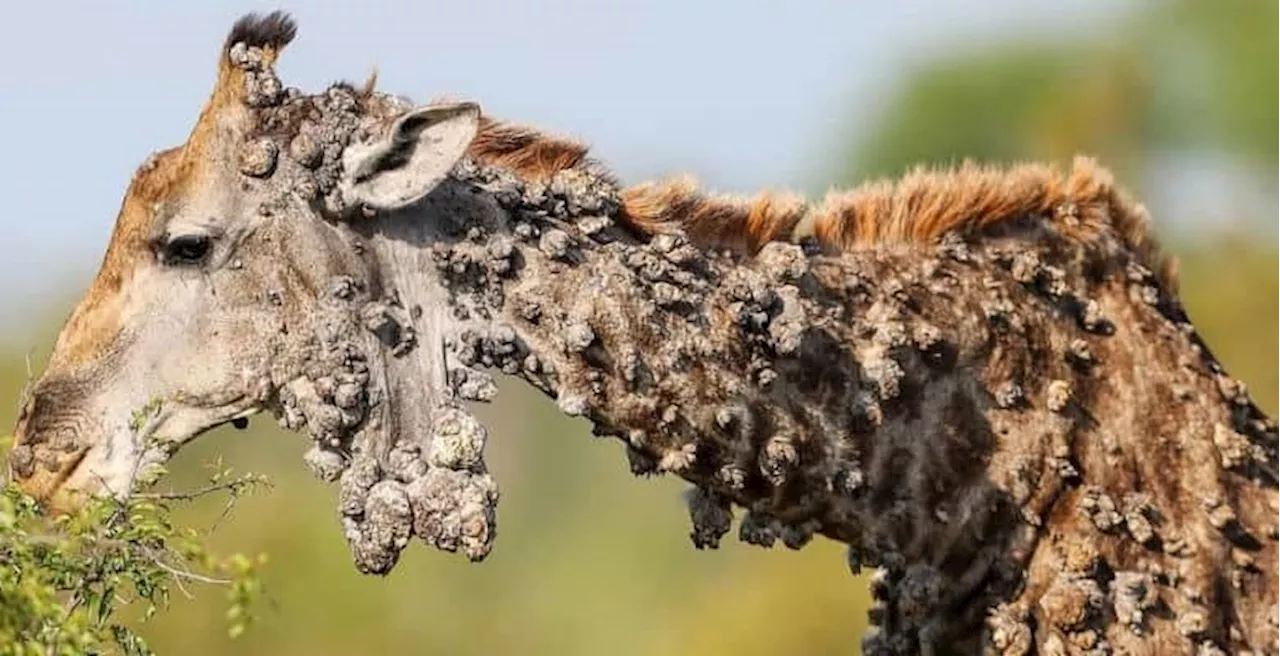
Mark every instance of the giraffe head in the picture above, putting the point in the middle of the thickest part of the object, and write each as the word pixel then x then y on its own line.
pixel 229 258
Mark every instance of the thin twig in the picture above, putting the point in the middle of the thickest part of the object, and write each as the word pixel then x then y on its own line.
pixel 180 573
pixel 231 486
pixel 72 605
pixel 226 512
pixel 26 384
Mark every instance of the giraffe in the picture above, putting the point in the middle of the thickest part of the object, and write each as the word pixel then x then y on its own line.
pixel 979 379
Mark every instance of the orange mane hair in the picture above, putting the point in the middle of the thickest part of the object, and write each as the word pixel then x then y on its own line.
pixel 921 207
pixel 529 153
pixel 1084 205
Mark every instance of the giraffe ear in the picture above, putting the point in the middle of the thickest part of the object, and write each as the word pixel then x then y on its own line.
pixel 418 151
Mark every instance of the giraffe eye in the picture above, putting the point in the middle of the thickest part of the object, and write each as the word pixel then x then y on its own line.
pixel 185 250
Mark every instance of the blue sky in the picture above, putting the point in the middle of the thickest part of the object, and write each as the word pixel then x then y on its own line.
pixel 743 93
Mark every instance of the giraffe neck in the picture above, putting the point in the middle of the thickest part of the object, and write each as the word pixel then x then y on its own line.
pixel 935 407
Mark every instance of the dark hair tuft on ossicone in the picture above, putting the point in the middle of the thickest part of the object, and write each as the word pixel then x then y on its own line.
pixel 274 31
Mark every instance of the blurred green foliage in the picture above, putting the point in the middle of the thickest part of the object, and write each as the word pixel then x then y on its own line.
pixel 590 560
pixel 1179 76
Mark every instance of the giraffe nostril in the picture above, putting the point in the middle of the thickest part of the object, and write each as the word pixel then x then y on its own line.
pixel 53 413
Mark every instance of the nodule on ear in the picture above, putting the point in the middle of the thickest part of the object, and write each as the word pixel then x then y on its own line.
pixel 419 150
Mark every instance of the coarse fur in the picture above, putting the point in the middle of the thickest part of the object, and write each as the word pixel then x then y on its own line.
pixel 920 208
pixel 273 31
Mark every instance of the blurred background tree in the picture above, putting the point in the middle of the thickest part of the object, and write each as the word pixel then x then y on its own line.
pixel 591 560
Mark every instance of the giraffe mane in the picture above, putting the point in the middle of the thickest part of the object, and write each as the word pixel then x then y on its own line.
pixel 527 152
pixel 1084 205
pixel 921 207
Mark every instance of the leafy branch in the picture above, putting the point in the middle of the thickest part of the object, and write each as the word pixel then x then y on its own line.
pixel 65 581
